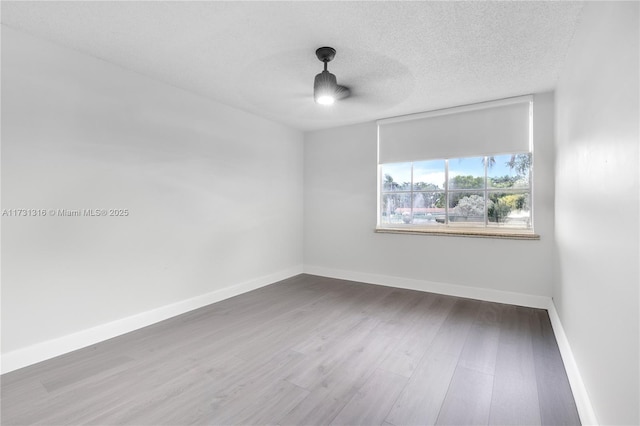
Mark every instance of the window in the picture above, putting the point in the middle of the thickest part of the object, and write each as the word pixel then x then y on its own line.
pixel 484 192
pixel 464 170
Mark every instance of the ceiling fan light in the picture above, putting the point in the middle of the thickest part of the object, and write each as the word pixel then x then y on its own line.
pixel 325 100
pixel 324 88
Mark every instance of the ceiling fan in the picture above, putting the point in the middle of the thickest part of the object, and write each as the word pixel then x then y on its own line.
pixel 326 89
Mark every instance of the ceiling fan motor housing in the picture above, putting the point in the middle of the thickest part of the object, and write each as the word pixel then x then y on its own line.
pixel 324 81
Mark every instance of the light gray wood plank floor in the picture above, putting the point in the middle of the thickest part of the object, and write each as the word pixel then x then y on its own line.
pixel 310 350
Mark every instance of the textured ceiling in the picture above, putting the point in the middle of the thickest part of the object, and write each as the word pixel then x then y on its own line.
pixel 397 57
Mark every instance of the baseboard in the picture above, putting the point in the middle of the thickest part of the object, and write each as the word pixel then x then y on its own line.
pixel 585 409
pixel 52 348
pixel 486 294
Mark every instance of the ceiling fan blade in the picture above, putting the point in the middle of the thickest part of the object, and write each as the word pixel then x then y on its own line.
pixel 342 92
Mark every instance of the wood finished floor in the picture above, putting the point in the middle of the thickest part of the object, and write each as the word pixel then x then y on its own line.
pixel 306 351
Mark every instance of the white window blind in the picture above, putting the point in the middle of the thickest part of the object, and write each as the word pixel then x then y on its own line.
pixel 488 128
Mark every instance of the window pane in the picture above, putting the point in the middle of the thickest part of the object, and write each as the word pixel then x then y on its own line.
pixel 491 191
pixel 466 208
pixel 428 208
pixel 395 208
pixel 509 171
pixel 428 175
pixel 466 173
pixel 511 210
pixel 396 177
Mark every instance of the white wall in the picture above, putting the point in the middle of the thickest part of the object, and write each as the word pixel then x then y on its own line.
pixel 214 194
pixel 340 218
pixel 596 291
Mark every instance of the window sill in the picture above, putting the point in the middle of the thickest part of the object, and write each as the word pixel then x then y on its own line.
pixel 463 232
